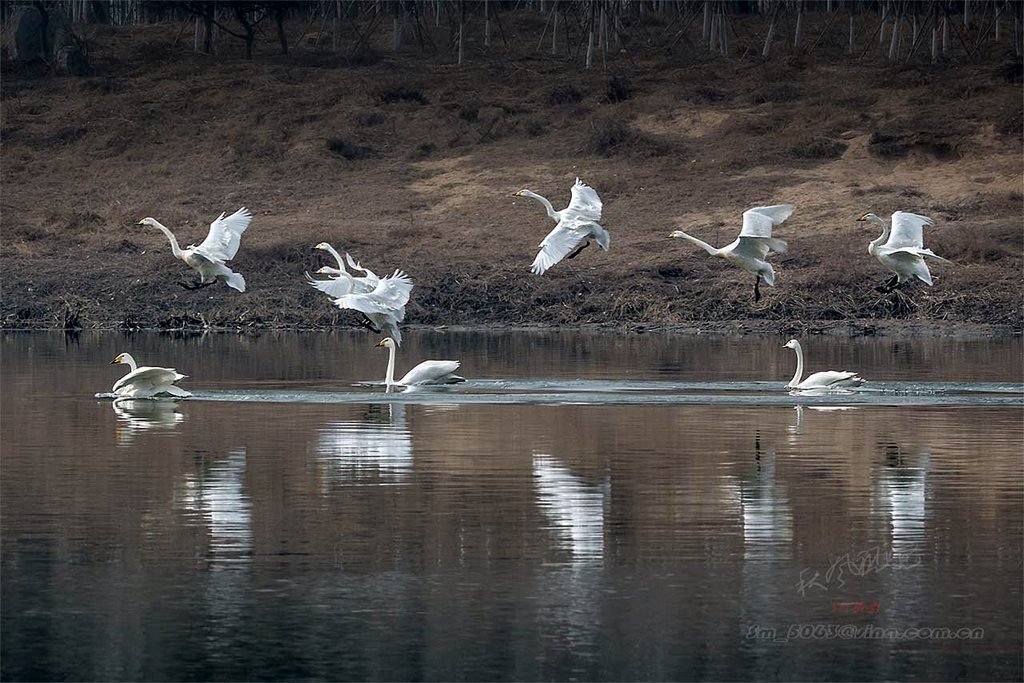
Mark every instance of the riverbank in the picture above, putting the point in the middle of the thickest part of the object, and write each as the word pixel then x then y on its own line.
pixel 408 163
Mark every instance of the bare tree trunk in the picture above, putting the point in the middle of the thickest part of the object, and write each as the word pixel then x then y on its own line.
pixel 799 24
pixel 590 39
pixel 554 28
pixel 195 39
pixel 894 43
pixel 881 29
pixel 945 33
pixel 967 13
pixel 282 36
pixel 768 38
pixel 723 30
pixel 707 21
pixel 487 25
pixel 999 13
pixel 462 21
pixel 852 28
pixel 713 34
pixel 913 33
pixel 935 41
pixel 334 26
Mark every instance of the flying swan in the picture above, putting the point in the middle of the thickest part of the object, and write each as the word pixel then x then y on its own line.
pixel 366 283
pixel 383 307
pixel 829 379
pixel 219 246
pixel 429 372
pixel 903 250
pixel 751 248
pixel 576 223
pixel 146 382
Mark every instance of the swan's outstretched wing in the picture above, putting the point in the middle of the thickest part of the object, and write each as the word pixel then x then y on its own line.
pixel 394 290
pixel 355 265
pixel 154 376
pixel 334 287
pixel 758 222
pixel 757 247
pixel 225 236
pixel 907 230
pixel 557 245
pixel 584 206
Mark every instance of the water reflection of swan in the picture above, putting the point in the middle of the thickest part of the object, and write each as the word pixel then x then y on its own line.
pixel 574 508
pixel 135 416
pixel 767 518
pixel 216 497
pixel 378 447
pixel 798 427
pixel 901 491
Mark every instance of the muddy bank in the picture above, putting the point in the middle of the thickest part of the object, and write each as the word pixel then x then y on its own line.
pixel 410 163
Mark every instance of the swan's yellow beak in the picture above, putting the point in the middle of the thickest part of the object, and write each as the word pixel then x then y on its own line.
pixel 116 361
pixel 863 218
pixel 142 222
pixel 381 342
pixel 518 194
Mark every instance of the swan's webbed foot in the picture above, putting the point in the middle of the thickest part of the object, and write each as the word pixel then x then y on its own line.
pixel 757 288
pixel 196 284
pixel 578 250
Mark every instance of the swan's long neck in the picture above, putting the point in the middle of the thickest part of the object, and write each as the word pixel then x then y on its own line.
pixel 126 358
pixel 175 249
pixel 337 257
pixel 349 280
pixel 554 215
pixel 389 376
pixel 700 243
pixel 799 365
pixel 875 244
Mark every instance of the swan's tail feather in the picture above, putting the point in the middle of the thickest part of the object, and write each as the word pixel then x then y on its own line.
pixel 177 391
pixel 601 236
pixel 235 281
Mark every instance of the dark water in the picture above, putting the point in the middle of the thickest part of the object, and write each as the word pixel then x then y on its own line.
pixel 595 507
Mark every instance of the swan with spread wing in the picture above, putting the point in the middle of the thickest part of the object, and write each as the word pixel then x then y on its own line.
pixel 576 223
pixel 902 250
pixel 750 250
pixel 146 382
pixel 220 246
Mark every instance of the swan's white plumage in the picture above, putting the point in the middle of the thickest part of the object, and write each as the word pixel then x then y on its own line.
pixel 827 379
pixel 221 244
pixel 901 248
pixel 429 372
pixel 384 305
pixel 575 223
pixel 755 241
pixel 145 382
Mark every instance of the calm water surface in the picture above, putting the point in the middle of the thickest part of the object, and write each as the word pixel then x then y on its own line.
pixel 588 506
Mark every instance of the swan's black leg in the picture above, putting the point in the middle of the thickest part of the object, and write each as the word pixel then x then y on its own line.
pixel 368 324
pixel 578 250
pixel 888 285
pixel 197 284
pixel 757 288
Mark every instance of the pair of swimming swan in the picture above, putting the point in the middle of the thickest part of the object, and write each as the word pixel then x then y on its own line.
pixel 150 382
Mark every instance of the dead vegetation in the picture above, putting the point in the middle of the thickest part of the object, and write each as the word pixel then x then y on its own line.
pixel 412 165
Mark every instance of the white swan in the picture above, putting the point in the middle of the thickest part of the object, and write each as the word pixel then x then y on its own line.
pixel 751 248
pixel 426 373
pixel 829 379
pixel 902 251
pixel 146 382
pixel 576 222
pixel 383 307
pixel 365 283
pixel 219 246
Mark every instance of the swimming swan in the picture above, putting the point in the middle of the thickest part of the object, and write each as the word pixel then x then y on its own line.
pixel 576 223
pixel 829 379
pixel 146 382
pixel 426 373
pixel 219 246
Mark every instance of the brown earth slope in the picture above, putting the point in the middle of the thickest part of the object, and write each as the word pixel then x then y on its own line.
pixel 409 163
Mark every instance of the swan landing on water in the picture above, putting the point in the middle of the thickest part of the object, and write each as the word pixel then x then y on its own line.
pixel 146 382
pixel 427 373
